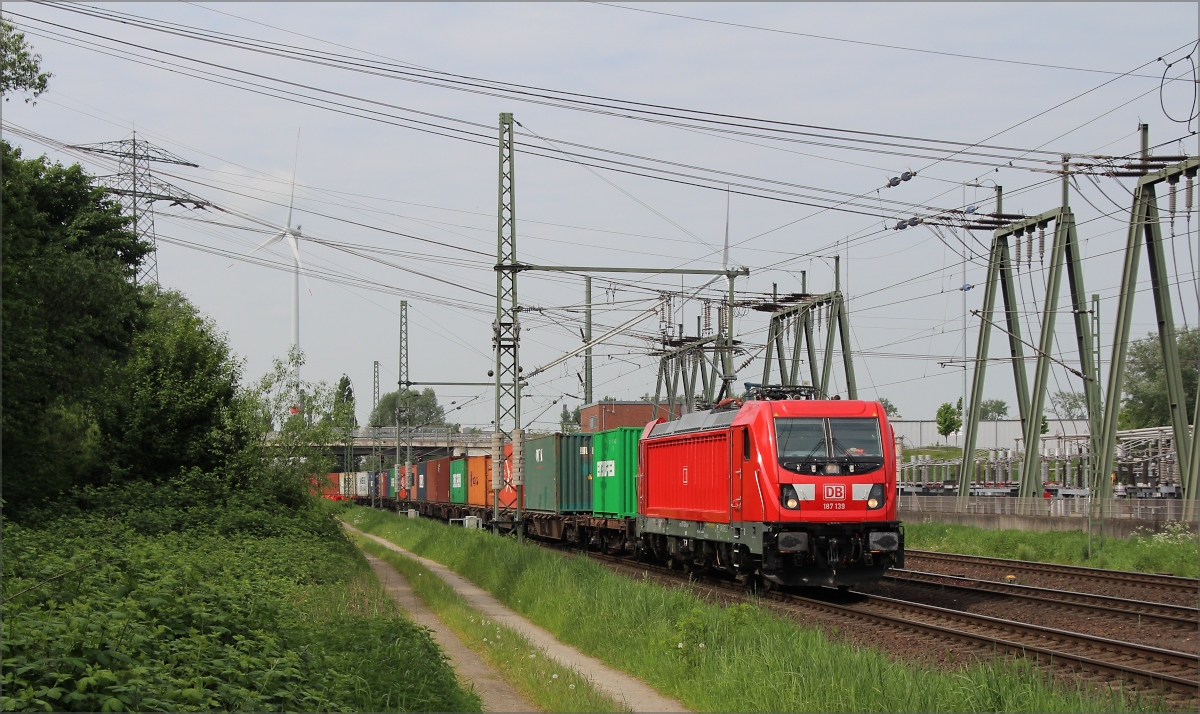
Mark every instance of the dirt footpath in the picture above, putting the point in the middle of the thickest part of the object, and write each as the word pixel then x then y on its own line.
pixel 635 693
pixel 497 694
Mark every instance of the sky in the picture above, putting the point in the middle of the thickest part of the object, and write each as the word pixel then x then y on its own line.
pixel 413 213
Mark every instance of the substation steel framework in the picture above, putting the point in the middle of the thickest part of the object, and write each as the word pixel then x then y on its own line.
pixel 1064 253
pixel 139 190
pixel 693 369
pixel 797 321
pixel 1145 227
pixel 1103 410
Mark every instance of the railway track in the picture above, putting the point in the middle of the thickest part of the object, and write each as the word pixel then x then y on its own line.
pixel 1103 605
pixel 1096 657
pixel 1189 586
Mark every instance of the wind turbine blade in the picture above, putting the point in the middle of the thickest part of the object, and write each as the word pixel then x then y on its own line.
pixel 295 163
pixel 273 239
pixel 296 252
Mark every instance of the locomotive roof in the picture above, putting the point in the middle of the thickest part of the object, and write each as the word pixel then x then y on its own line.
pixel 718 418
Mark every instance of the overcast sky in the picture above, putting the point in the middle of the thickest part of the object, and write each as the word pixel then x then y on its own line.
pixel 372 181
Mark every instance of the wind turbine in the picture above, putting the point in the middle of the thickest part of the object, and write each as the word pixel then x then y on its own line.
pixel 297 268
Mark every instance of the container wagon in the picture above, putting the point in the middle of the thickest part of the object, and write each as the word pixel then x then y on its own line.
pixel 458 480
pixel 614 472
pixel 422 470
pixel 437 480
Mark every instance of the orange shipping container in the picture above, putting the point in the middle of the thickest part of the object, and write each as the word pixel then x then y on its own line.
pixel 479 479
pixel 508 493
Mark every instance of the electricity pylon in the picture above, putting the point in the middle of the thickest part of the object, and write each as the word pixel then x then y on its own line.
pixel 139 190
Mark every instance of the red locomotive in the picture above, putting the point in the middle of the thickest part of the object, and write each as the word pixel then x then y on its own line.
pixel 797 491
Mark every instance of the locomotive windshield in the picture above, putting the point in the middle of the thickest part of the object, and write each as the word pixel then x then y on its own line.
pixel 855 437
pixel 829 446
pixel 801 438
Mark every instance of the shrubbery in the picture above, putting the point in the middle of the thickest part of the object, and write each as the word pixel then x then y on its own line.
pixel 179 605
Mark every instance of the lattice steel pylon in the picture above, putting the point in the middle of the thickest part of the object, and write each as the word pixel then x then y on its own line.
pixel 506 330
pixel 139 190
pixel 376 439
pixel 403 386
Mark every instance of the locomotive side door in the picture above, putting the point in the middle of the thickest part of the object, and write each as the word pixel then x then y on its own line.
pixel 739 462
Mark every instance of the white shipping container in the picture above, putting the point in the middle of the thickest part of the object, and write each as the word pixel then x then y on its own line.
pixel 363 480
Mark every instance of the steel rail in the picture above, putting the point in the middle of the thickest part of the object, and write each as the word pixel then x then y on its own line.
pixel 1084 662
pixel 1103 604
pixel 1150 580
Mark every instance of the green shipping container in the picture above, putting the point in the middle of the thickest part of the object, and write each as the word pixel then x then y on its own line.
pixel 614 465
pixel 458 481
pixel 558 473
pixel 391 482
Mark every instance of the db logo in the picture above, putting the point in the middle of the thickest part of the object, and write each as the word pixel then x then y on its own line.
pixel 835 492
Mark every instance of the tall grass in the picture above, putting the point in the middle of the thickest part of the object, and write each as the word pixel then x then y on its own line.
pixel 1175 551
pixel 541 680
pixel 713 658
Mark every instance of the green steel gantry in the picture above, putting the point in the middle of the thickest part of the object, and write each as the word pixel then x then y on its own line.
pixel 1103 409
pixel 1145 228
pixel 797 320
pixel 1064 253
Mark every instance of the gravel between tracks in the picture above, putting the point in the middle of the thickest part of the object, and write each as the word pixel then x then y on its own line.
pixel 1048 580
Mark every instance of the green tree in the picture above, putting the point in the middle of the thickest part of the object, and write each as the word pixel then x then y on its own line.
pixel 568 420
pixel 992 409
pixel 291 436
pixel 1068 405
pixel 890 409
pixel 20 66
pixel 70 312
pixel 172 405
pixel 344 404
pixel 948 419
pixel 417 409
pixel 1145 401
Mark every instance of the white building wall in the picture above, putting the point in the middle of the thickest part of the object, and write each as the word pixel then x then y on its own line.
pixel 999 434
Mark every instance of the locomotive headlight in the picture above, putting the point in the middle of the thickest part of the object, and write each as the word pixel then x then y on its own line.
pixel 875 497
pixel 789 498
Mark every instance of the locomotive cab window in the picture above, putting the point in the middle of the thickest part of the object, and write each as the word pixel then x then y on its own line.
pixel 855 437
pixel 829 446
pixel 801 438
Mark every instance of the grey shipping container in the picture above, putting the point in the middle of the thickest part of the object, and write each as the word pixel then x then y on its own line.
pixel 558 473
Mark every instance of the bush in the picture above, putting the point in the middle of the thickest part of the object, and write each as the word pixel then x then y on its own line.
pixel 251 610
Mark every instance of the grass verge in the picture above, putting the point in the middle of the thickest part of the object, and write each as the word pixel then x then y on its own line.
pixel 541 680
pixel 99 616
pixel 713 658
pixel 1173 551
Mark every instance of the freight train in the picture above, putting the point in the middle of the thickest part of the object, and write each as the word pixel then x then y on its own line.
pixel 787 492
